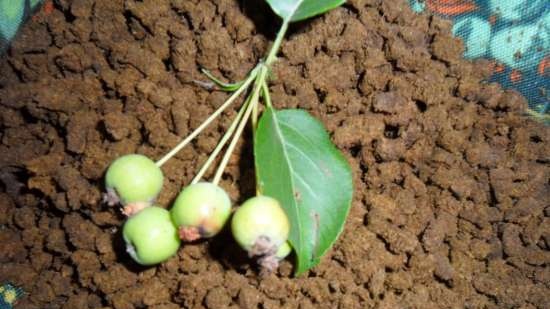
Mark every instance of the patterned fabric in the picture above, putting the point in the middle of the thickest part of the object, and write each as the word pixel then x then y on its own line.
pixel 514 34
pixel 9 294
pixel 12 15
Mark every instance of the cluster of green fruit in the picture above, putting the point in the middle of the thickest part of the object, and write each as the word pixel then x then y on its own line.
pixel 154 234
pixel 291 150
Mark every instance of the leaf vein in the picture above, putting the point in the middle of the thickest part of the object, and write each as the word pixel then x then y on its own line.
pixel 287 160
pixel 308 158
pixel 307 186
pixel 298 133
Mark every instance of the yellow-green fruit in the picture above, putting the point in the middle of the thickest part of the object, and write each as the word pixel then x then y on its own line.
pixel 283 251
pixel 151 236
pixel 134 178
pixel 201 210
pixel 260 226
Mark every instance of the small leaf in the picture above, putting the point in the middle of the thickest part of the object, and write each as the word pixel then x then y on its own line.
pixel 223 86
pixel 297 164
pixel 295 10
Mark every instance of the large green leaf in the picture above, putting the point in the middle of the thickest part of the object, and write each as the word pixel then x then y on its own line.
pixel 297 164
pixel 294 10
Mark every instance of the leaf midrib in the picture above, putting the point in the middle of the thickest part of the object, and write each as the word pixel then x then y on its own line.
pixel 296 8
pixel 287 162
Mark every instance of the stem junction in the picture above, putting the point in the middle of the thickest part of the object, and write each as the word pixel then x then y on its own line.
pixel 258 78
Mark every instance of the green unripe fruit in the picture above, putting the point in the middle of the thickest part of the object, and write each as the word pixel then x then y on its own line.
pixel 260 226
pixel 133 179
pixel 200 210
pixel 283 251
pixel 150 236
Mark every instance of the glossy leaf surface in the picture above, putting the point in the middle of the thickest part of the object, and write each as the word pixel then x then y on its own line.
pixel 295 10
pixel 297 164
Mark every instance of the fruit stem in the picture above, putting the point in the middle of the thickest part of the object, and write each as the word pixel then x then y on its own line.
pixel 253 101
pixel 219 83
pixel 265 94
pixel 272 56
pixel 221 143
pixel 259 75
pixel 254 121
pixel 233 97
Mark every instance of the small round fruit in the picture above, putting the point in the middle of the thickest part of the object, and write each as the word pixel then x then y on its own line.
pixel 150 236
pixel 260 226
pixel 200 210
pixel 133 179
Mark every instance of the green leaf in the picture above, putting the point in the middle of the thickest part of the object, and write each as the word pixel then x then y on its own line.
pixel 230 87
pixel 297 164
pixel 295 10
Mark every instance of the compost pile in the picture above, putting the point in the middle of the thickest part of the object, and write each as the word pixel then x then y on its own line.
pixel 451 204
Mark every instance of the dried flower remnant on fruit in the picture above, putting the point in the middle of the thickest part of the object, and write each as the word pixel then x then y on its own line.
pixel 270 262
pixel 133 181
pixel 261 227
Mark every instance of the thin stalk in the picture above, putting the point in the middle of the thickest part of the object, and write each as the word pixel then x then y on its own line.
pixel 221 143
pixel 198 130
pixel 254 118
pixel 272 56
pixel 222 85
pixel 253 101
pixel 259 74
pixel 231 146
pixel 265 94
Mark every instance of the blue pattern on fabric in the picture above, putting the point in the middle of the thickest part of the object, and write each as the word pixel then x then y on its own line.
pixel 13 14
pixel 513 33
pixel 9 295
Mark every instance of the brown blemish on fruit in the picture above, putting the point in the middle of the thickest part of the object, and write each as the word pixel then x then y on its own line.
pixel 131 209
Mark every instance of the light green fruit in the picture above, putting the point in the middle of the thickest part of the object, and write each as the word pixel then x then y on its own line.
pixel 134 178
pixel 283 251
pixel 260 226
pixel 201 210
pixel 150 236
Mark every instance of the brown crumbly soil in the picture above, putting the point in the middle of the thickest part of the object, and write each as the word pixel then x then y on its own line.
pixel 451 204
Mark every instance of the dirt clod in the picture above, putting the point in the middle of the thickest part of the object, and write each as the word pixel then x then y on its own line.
pixel 451 199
